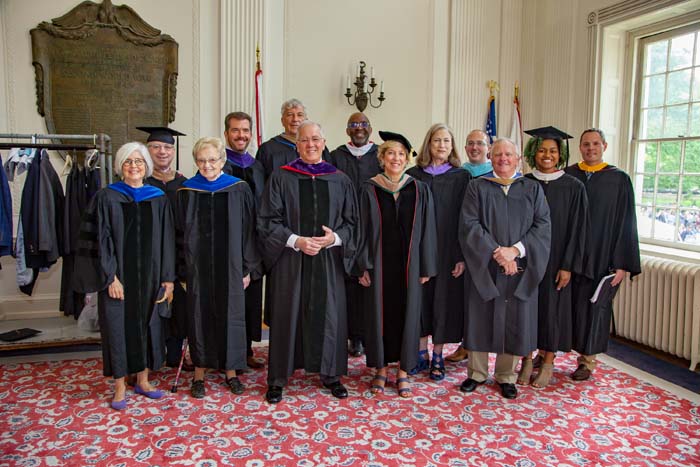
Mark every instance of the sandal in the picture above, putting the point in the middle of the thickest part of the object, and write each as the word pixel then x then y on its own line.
pixel 537 361
pixel 404 392
pixel 525 371
pixel 423 362
pixel 544 376
pixel 378 383
pixel 437 367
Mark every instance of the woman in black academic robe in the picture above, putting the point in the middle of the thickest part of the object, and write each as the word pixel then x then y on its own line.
pixel 126 253
pixel 215 221
pixel 438 166
pixel 398 255
pixel 546 153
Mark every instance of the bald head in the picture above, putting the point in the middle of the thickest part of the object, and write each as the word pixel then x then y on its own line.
pixel 358 129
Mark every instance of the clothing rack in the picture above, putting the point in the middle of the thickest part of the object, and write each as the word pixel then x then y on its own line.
pixel 100 141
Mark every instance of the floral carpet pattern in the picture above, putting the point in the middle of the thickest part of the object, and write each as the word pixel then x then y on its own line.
pixel 57 413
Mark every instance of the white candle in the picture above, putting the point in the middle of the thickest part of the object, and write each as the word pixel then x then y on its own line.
pixel 381 87
pixel 371 72
pixel 348 86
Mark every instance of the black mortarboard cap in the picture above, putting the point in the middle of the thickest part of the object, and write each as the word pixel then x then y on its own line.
pixel 160 133
pixel 166 135
pixel 549 132
pixel 399 138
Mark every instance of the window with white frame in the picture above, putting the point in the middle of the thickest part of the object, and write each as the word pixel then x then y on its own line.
pixel 667 128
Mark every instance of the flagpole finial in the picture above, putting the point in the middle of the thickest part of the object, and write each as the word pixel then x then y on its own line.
pixel 493 87
pixel 257 57
pixel 517 90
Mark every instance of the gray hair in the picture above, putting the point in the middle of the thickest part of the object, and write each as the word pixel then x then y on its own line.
pixel 291 103
pixel 506 140
pixel 214 142
pixel 128 149
pixel 306 123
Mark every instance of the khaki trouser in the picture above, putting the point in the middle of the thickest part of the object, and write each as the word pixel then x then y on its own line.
pixel 504 372
pixel 588 360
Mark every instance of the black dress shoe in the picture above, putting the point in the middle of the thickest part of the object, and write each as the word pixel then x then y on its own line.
pixel 273 394
pixel 356 349
pixel 469 385
pixel 197 390
pixel 508 390
pixel 235 385
pixel 337 389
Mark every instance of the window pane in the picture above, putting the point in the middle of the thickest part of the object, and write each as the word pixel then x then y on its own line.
pixel 670 157
pixel 676 123
pixel 656 57
pixel 678 87
pixel 696 84
pixel 644 221
pixel 646 157
pixel 690 196
pixel 665 224
pixel 648 189
pixel 692 157
pixel 667 191
pixel 651 123
pixel 681 52
pixel 654 87
pixel 695 120
pixel 689 228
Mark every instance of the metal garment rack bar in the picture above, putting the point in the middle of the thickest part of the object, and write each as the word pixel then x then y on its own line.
pixel 100 141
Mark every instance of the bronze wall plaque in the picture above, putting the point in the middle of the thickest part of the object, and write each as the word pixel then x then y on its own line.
pixel 101 69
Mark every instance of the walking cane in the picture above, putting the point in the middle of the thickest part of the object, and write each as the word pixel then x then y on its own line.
pixel 179 367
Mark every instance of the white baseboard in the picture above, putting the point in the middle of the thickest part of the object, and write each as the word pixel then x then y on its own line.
pixel 35 307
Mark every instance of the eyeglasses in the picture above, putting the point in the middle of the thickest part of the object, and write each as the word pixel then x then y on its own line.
pixel 204 162
pixel 476 143
pixel 314 140
pixel 158 147
pixel 358 125
pixel 136 162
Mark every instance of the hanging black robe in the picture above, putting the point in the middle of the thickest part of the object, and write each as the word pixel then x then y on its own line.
pixel 613 244
pixel 276 152
pixel 307 293
pixel 501 311
pixel 218 252
pixel 443 296
pixel 399 247
pixel 133 241
pixel 81 185
pixel 568 210
pixel 359 169
pixel 254 176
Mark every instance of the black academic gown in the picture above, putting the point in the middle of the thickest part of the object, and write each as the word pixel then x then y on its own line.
pixel 178 320
pixel 613 244
pixel 399 247
pixel 359 169
pixel 307 293
pixel 254 176
pixel 218 251
pixel 568 210
pixel 501 311
pixel 276 152
pixel 133 241
pixel 443 296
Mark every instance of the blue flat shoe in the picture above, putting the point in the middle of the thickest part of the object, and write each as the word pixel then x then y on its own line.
pixel 405 391
pixel 118 405
pixel 155 394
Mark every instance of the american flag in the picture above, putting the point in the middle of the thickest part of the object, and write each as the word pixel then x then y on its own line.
pixel 491 120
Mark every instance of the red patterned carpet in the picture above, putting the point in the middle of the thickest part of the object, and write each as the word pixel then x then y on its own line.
pixel 55 414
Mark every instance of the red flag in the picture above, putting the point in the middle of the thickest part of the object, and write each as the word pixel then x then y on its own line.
pixel 516 129
pixel 258 101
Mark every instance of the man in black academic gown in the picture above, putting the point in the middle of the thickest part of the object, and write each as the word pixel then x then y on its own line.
pixel 308 224
pixel 613 248
pixel 505 234
pixel 161 146
pixel 241 164
pixel 358 160
pixel 281 149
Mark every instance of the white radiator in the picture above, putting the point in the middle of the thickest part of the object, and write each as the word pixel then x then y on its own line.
pixel 661 308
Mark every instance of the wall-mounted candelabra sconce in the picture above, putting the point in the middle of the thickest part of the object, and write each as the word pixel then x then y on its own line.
pixel 364 88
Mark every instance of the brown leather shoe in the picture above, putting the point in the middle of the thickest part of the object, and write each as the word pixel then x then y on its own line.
pixel 254 364
pixel 582 373
pixel 459 355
